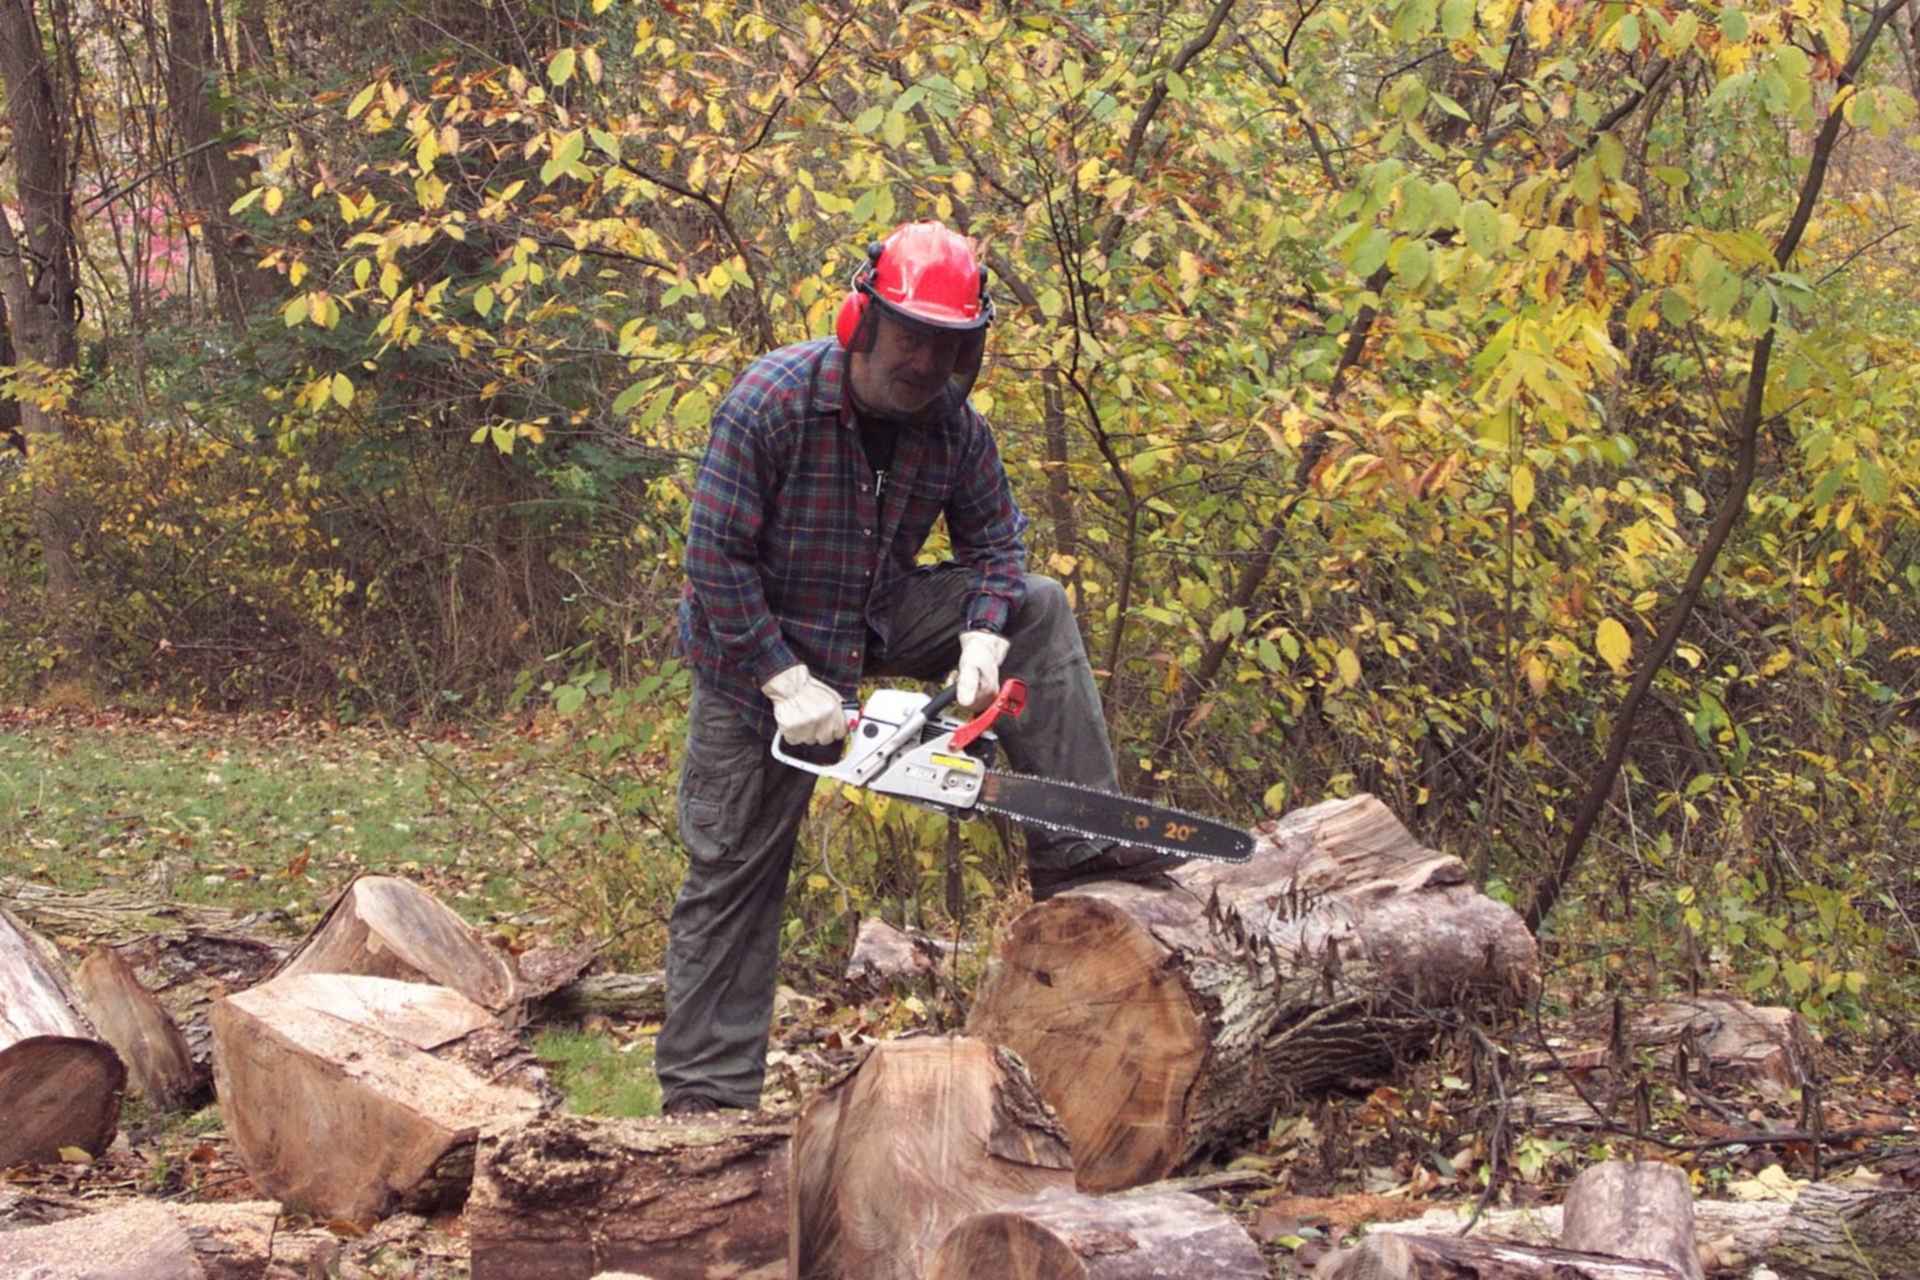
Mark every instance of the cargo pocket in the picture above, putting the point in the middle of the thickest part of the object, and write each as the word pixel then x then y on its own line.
pixel 721 781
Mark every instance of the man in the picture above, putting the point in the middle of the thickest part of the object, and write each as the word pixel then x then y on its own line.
pixel 828 463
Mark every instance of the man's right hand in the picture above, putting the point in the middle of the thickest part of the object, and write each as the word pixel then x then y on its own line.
pixel 807 711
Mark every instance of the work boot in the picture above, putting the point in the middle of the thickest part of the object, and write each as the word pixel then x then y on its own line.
pixel 1126 862
pixel 692 1104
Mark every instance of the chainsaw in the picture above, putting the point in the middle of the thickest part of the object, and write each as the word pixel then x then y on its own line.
pixel 911 745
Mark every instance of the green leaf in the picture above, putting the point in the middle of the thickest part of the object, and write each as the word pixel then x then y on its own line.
pixel 629 398
pixel 1369 252
pixel 693 408
pixel 1874 486
pixel 1412 262
pixel 1480 224
pixel 1456 18
pixel 869 120
pixel 342 390
pixel 483 300
pixel 560 66
pixel 1733 24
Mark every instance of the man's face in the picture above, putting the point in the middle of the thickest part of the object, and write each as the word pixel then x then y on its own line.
pixel 907 367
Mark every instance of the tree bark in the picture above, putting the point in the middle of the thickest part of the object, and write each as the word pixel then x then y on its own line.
pixel 562 1198
pixel 211 180
pixel 355 1097
pixel 148 1241
pixel 1161 1023
pixel 1066 1235
pixel 385 927
pixel 60 1084
pixel 926 1132
pixel 159 1064
pixel 1399 1257
pixel 1633 1210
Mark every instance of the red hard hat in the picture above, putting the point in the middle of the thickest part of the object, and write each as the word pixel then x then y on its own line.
pixel 922 273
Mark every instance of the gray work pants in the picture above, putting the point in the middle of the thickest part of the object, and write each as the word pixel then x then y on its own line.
pixel 740 810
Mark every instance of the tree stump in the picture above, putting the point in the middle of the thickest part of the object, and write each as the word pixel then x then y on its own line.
pixel 565 1197
pixel 348 1097
pixel 385 927
pixel 924 1133
pixel 1159 1023
pixel 60 1084
pixel 159 1064
pixel 139 1242
pixel 1067 1235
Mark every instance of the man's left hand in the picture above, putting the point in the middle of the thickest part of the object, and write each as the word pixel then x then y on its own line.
pixel 978 677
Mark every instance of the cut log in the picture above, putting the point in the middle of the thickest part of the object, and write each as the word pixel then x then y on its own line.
pixel 924 1133
pixel 385 927
pixel 60 1084
pixel 1402 1257
pixel 1068 1235
pixel 348 1096
pixel 138 1242
pixel 160 1067
pixel 1827 1231
pixel 562 1198
pixel 1722 1041
pixel 1633 1210
pixel 1160 1023
pixel 148 1241
pixel 639 996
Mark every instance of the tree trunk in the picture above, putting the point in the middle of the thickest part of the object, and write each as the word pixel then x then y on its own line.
pixel 60 1084
pixel 384 927
pixel 148 1241
pixel 1161 1023
pixel 926 1132
pixel 354 1097
pixel 159 1064
pixel 1066 1235
pixel 39 278
pixel 212 180
pixel 562 1198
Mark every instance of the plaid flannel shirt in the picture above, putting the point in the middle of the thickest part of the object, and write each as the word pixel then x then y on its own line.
pixel 789 558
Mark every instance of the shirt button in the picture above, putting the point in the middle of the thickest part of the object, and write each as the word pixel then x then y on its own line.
pixel 867 532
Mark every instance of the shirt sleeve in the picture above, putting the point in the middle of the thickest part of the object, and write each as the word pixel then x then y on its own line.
pixel 738 472
pixel 987 528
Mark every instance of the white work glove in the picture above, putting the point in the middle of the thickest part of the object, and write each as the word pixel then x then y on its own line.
pixel 807 711
pixel 978 677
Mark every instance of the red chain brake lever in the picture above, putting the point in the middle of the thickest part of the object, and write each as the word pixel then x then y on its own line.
pixel 1011 700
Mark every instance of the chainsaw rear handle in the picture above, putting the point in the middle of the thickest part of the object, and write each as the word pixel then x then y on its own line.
pixel 822 758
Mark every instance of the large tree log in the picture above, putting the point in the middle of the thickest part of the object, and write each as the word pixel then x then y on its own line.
pixel 1633 1210
pixel 60 1084
pixel 385 927
pixel 1067 1235
pixel 924 1133
pixel 1159 1023
pixel 562 1198
pixel 148 1241
pixel 352 1097
pixel 159 1064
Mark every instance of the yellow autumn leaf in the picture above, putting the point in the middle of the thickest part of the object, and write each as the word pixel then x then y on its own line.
pixel 1537 676
pixel 1349 664
pixel 1613 644
pixel 1522 488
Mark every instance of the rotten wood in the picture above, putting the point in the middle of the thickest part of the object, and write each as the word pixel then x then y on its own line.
pixel 160 1066
pixel 565 1197
pixel 355 1097
pixel 926 1132
pixel 1068 1235
pixel 1161 1023
pixel 60 1083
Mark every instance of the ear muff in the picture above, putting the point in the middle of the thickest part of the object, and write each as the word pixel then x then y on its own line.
pixel 851 326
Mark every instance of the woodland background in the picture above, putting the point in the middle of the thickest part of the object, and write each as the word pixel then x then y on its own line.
pixel 1505 408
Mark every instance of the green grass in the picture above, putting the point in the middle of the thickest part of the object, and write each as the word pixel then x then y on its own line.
pixel 256 813
pixel 599 1077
